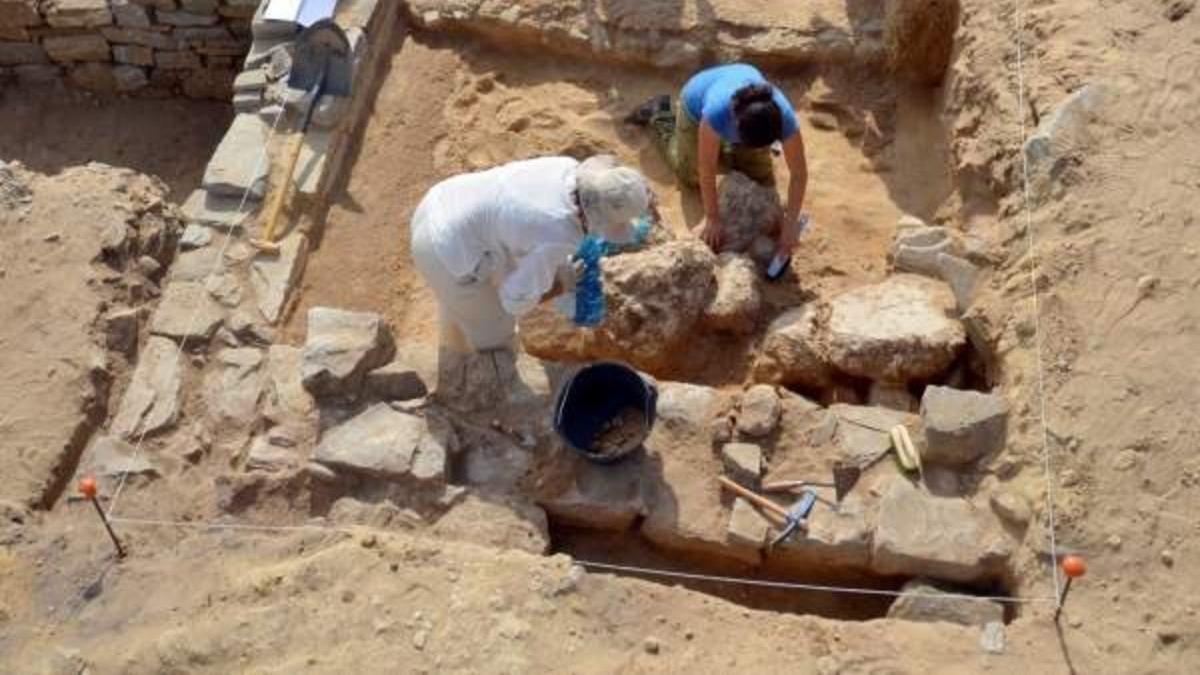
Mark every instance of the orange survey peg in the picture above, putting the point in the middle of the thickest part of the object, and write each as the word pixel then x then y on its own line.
pixel 87 487
pixel 1074 566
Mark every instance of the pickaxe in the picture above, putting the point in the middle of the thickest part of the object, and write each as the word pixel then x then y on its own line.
pixel 844 479
pixel 795 517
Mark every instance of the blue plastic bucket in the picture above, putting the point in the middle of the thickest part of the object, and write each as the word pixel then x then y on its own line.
pixel 592 398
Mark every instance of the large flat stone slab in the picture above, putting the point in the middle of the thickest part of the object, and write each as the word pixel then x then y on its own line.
pixel 218 212
pixel 918 534
pixel 385 443
pixel 272 275
pixel 898 330
pixel 235 386
pixel 187 312
pixel 922 600
pixel 862 434
pixel 151 402
pixel 238 165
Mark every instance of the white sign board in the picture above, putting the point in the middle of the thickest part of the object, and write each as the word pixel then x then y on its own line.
pixel 303 12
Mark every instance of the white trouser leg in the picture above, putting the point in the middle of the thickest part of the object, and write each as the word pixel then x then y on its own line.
pixel 471 315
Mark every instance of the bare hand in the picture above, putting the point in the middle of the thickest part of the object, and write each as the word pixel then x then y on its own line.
pixel 790 233
pixel 711 233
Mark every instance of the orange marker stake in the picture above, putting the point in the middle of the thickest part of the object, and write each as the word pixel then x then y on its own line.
pixel 87 488
pixel 1073 566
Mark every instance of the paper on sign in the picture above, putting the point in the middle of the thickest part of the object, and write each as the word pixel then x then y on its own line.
pixel 282 10
pixel 303 12
pixel 312 11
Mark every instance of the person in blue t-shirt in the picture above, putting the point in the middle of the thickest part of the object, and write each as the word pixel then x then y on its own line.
pixel 729 116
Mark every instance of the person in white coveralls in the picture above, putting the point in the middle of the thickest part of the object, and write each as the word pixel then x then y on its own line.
pixel 494 244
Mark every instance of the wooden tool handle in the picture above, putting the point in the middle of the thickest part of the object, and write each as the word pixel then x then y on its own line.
pixel 284 187
pixel 753 497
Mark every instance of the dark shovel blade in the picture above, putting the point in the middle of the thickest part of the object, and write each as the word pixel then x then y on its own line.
pixel 322 51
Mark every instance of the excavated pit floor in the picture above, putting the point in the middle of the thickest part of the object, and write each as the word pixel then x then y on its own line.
pixel 448 105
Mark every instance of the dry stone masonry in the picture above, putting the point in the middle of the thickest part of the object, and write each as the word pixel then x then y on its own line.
pixel 148 47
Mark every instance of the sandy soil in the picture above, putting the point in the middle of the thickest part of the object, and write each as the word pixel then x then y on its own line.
pixel 49 129
pixel 1118 249
pixel 475 107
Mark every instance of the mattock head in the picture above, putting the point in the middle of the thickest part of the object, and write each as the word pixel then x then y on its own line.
pixel 797 516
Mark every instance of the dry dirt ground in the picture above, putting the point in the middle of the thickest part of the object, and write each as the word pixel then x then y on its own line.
pixel 49 129
pixel 1119 330
pixel 475 106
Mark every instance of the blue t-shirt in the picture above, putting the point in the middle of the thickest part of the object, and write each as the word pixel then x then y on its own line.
pixel 708 97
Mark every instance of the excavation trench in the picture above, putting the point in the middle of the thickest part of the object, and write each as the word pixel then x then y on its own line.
pixel 449 104
pixel 628 553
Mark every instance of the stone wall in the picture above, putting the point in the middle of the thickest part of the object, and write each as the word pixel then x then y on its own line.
pixel 148 47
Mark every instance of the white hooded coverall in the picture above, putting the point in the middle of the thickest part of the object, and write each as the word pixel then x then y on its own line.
pixel 490 243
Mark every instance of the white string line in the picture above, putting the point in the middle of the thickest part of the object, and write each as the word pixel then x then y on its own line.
pixel 213 525
pixel 137 448
pixel 1019 18
pixel 788 585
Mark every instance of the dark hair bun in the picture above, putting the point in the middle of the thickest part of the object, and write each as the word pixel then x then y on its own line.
pixel 759 119
pixel 751 94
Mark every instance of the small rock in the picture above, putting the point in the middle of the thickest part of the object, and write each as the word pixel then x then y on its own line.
pixel 992 639
pixel 1114 542
pixel 1012 507
pixel 225 289
pixel 961 275
pixel 738 301
pixel 121 330
pixel 420 638
pixel 651 645
pixel 149 267
pixel 962 426
pixel 743 463
pixel 759 412
pixel 823 120
pixel 320 472
pixel 747 210
pixel 195 236
pixel 52 237
pixel 1146 285
pixel 267 457
pixel 1167 557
